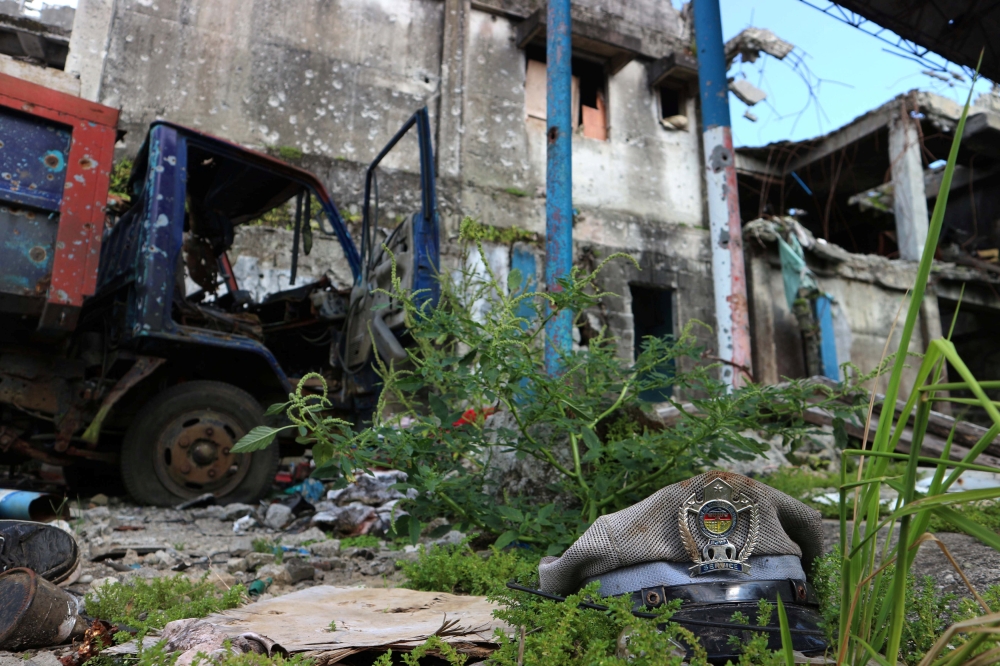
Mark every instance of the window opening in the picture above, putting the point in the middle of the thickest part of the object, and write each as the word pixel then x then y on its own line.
pixel 673 108
pixel 589 94
pixel 653 316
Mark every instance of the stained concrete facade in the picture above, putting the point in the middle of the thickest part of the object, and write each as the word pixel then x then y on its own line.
pixel 336 78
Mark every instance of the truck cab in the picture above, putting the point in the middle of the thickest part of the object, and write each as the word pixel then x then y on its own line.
pixel 166 365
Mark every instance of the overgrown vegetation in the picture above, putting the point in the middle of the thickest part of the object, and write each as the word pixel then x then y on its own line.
pixel 118 181
pixel 470 229
pixel 149 604
pixel 459 570
pixel 876 605
pixel 585 433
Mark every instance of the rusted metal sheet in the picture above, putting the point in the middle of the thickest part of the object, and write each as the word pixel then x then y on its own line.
pixel 143 366
pixel 56 157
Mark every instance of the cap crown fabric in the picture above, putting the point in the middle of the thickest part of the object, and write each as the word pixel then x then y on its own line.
pixel 649 532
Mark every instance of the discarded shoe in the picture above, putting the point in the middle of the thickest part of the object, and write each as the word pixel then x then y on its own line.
pixel 47 550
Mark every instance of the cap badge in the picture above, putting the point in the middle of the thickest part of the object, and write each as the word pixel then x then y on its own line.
pixel 717 518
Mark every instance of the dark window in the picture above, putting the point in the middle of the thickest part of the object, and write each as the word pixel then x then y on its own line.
pixel 653 316
pixel 670 102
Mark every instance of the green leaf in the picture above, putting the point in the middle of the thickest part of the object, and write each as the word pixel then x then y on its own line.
pixel 514 280
pixel 415 528
pixel 506 538
pixel 409 384
pixel 786 635
pixel 590 439
pixel 468 358
pixel 510 514
pixel 969 526
pixel 440 408
pixel 257 439
pixel 278 408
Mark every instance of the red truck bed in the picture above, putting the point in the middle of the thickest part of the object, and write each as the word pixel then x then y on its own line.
pixel 56 152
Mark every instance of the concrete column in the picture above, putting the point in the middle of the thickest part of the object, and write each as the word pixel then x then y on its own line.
pixel 88 45
pixel 909 197
pixel 451 113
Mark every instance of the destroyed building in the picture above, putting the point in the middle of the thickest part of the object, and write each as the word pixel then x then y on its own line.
pixel 327 83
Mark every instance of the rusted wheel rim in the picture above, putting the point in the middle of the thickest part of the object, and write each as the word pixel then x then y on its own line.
pixel 194 454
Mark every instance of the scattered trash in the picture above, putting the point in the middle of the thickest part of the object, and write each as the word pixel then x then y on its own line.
pixel 257 586
pixel 208 499
pixel 244 524
pixel 45 549
pixel 311 489
pixel 200 641
pixel 99 635
pixel 35 613
pixel 365 619
pixel 28 505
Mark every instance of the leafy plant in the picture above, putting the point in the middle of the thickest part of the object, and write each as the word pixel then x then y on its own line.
pixel 586 435
pixel 459 570
pixel 563 634
pixel 146 605
pixel 118 179
pixel 874 613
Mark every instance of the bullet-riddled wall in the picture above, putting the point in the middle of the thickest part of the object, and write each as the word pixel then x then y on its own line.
pixel 334 79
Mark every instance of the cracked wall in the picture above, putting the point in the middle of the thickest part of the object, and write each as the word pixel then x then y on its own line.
pixel 336 78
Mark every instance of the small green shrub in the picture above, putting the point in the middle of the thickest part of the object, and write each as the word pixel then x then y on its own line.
pixel 150 604
pixel 459 570
pixel 118 181
pixel 362 541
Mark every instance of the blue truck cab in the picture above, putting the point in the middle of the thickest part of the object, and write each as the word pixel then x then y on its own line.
pixel 166 377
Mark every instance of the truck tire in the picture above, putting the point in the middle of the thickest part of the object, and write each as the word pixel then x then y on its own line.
pixel 178 447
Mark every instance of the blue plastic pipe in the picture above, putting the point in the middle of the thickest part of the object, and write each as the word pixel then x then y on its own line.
pixel 559 176
pixel 28 505
pixel 732 317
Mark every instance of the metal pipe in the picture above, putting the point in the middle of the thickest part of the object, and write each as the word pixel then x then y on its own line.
pixel 732 318
pixel 558 176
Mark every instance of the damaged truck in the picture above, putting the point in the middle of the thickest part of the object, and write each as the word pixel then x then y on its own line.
pixel 110 358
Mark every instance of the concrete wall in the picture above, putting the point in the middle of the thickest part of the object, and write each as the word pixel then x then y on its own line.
pixel 868 292
pixel 336 78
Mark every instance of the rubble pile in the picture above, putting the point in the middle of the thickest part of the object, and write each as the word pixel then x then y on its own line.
pixel 283 545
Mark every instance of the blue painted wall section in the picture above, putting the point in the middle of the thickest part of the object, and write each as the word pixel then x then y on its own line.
pixel 523 261
pixel 823 306
pixel 559 176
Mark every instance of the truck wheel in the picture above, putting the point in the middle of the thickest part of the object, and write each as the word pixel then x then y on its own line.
pixel 180 446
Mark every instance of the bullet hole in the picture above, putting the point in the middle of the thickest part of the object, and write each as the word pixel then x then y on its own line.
pixel 553 134
pixel 37 254
pixel 51 161
pixel 86 163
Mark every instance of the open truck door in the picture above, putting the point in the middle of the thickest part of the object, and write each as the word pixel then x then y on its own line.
pixel 374 319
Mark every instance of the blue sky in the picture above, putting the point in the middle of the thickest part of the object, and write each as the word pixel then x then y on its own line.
pixel 857 73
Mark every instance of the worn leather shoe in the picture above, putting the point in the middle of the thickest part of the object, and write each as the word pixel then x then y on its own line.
pixel 47 550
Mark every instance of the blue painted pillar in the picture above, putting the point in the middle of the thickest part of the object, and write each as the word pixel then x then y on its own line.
pixel 559 175
pixel 732 319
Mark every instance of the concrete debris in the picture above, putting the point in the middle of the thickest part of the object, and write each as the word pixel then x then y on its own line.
pixel 747 92
pixel 326 549
pixel 752 41
pixel 750 116
pixel 677 122
pixel 255 560
pixel 277 516
pixel 347 519
pixel 300 539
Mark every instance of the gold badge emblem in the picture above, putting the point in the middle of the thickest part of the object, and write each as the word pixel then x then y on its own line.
pixel 718 517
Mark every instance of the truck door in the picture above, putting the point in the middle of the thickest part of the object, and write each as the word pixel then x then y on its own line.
pixel 414 246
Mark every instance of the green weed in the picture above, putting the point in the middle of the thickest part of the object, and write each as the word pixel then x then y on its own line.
pixel 459 570
pixel 362 541
pixel 150 604
pixel 471 230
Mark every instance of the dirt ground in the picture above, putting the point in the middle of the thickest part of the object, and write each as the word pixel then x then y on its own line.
pixel 124 541
pixel 979 562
